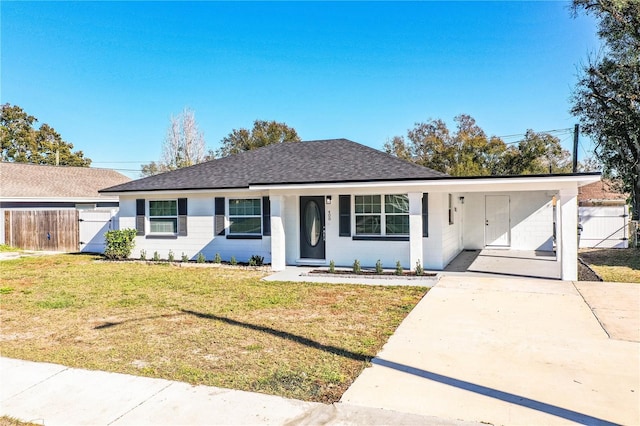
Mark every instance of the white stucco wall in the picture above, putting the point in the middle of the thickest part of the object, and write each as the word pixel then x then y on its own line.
pixel 531 215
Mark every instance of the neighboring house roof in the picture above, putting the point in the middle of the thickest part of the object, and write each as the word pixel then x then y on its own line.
pixel 603 190
pixel 20 180
pixel 325 161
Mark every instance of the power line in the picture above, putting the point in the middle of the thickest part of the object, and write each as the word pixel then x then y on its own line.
pixel 120 162
pixel 561 131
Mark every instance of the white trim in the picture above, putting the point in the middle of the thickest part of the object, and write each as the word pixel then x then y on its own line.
pixel 149 217
pixel 443 185
pixel 529 182
pixel 230 222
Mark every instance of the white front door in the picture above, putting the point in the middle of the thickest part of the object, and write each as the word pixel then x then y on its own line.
pixel 497 221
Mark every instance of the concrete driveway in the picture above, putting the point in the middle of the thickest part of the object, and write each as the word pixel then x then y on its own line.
pixel 507 351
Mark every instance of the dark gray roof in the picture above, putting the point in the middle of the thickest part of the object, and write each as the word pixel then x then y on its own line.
pixel 325 161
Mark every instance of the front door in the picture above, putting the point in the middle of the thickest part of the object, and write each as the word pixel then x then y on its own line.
pixel 497 221
pixel 312 231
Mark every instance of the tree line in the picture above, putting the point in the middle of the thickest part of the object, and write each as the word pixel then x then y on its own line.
pixel 468 151
pixel 22 142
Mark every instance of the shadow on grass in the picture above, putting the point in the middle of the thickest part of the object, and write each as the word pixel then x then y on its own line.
pixel 629 257
pixel 284 335
pixel 511 398
pixel 109 324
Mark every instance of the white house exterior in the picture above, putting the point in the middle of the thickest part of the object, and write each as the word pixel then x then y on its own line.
pixel 313 202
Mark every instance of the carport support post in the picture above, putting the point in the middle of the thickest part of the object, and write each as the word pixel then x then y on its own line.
pixel 567 244
pixel 278 248
pixel 415 229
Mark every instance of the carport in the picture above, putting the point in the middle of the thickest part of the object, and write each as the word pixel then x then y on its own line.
pixel 513 225
pixel 518 263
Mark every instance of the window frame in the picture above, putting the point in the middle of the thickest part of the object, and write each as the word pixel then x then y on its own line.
pixel 174 218
pixel 451 219
pixel 382 215
pixel 258 217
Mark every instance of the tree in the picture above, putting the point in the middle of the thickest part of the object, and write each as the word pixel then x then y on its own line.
pixel 537 153
pixel 606 98
pixel 184 145
pixel 22 143
pixel 263 133
pixel 469 152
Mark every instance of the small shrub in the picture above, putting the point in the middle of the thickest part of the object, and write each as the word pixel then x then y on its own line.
pixel 399 270
pixel 200 258
pixel 143 255
pixel 419 269
pixel 217 258
pixel 171 257
pixel 120 243
pixel 356 267
pixel 256 260
pixel 185 258
pixel 332 267
pixel 156 256
pixel 233 261
pixel 378 267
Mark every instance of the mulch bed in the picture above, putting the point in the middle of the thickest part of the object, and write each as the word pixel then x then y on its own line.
pixel 370 274
pixel 585 273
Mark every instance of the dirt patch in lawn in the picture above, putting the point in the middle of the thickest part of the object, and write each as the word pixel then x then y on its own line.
pixel 211 326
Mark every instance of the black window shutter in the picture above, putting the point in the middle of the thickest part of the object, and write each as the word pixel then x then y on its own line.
pixel 425 214
pixel 266 216
pixel 345 215
pixel 140 216
pixel 182 216
pixel 219 220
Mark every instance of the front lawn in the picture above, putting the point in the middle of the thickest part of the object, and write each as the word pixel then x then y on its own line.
pixel 615 265
pixel 208 326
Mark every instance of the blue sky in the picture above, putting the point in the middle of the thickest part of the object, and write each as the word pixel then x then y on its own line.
pixel 108 75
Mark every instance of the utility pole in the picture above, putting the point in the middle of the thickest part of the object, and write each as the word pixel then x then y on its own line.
pixel 576 132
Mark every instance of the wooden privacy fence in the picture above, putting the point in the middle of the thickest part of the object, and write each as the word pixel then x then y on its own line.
pixel 55 230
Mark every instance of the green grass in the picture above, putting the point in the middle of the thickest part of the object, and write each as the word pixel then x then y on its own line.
pixel 4 247
pixel 208 326
pixel 615 265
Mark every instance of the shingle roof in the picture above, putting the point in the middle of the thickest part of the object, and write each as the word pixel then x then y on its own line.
pixel 325 161
pixel 602 190
pixel 18 180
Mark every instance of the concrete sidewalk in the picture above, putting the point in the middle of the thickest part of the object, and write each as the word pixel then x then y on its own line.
pixel 509 352
pixel 52 394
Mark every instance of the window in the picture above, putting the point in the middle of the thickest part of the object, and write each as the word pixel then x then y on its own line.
pixel 450 210
pixel 163 216
pixel 245 216
pixel 375 218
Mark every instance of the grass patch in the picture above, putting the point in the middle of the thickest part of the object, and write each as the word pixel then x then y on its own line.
pixel 207 326
pixel 12 421
pixel 5 247
pixel 615 265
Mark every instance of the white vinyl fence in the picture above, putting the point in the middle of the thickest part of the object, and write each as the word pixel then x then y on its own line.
pixel 604 226
pixel 93 225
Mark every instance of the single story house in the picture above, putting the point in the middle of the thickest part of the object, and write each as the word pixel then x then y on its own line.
pixel 309 203
pixel 56 207
pixel 603 214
